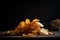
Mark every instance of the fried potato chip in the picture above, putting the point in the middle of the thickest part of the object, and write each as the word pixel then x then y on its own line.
pixel 21 25
pixel 35 20
pixel 27 21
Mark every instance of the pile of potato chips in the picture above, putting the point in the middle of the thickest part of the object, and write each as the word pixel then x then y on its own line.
pixel 30 28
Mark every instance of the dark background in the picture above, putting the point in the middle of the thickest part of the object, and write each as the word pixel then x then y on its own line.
pixel 14 12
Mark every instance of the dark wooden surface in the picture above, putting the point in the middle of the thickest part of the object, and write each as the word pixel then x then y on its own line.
pixel 57 34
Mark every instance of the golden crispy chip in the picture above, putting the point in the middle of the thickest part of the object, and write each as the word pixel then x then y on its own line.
pixel 27 21
pixel 35 20
pixel 30 35
pixel 21 25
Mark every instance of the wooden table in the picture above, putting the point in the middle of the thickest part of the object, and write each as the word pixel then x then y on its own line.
pixel 57 34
